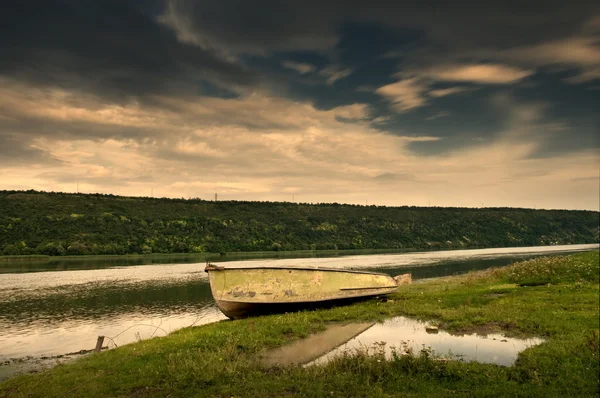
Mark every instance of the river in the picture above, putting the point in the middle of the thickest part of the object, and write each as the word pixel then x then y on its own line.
pixel 53 312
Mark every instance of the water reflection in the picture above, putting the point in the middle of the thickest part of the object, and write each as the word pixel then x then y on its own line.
pixel 43 263
pixel 73 336
pixel 407 335
pixel 106 301
pixel 70 319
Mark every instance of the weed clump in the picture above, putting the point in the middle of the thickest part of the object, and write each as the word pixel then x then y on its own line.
pixel 578 268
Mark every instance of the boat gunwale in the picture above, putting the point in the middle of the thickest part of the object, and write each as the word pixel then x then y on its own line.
pixel 300 268
pixel 387 290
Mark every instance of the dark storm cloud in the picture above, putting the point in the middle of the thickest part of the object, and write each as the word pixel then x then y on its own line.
pixel 254 27
pixel 122 50
pixel 29 127
pixel 125 49
pixel 111 48
pixel 271 25
pixel 357 36
pixel 16 150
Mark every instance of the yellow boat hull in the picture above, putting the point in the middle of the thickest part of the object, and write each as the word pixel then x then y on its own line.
pixel 240 292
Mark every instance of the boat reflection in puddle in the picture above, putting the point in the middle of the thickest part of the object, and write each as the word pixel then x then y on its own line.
pixel 404 335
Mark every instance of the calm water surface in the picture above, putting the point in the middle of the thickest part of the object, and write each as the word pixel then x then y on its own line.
pixel 47 313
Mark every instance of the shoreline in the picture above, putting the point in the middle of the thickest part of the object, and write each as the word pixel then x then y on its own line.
pixel 236 256
pixel 217 359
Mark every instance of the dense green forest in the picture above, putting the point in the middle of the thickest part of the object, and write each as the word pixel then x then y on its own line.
pixel 34 222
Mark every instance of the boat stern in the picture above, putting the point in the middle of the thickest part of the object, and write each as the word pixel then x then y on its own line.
pixel 404 279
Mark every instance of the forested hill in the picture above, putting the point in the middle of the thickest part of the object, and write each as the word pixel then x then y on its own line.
pixel 59 224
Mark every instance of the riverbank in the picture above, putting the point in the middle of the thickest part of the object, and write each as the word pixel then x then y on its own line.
pixel 553 298
pixel 37 263
pixel 60 224
pixel 231 256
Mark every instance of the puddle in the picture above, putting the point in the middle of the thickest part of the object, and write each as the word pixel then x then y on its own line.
pixel 404 334
pixel 314 346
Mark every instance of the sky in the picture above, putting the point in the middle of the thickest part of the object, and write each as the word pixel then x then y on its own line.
pixel 419 103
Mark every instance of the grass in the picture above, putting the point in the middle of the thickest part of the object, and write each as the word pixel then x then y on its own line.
pixel 553 298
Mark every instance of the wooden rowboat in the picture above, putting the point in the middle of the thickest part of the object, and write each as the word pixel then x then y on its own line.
pixel 241 292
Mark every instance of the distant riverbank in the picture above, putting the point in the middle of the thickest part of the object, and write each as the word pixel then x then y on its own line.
pixel 61 224
pixel 12 263
pixel 231 256
pixel 36 263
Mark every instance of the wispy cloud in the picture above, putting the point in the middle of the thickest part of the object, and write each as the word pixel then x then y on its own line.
pixel 381 119
pixel 578 51
pixel 352 112
pixel 438 115
pixel 582 53
pixel 442 92
pixel 413 90
pixel 299 67
pixel 333 73
pixel 405 94
pixel 479 73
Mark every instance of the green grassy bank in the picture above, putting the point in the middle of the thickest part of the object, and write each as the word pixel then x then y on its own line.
pixel 555 298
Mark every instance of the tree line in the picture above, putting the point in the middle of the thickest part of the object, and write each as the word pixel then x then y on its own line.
pixel 49 223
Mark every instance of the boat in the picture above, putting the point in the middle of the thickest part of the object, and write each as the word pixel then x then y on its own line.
pixel 240 292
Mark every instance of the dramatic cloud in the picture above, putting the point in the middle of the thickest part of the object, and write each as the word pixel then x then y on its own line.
pixel 68 45
pixel 244 27
pixel 266 26
pixel 326 101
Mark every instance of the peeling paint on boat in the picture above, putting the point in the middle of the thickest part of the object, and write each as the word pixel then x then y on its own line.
pixel 242 289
